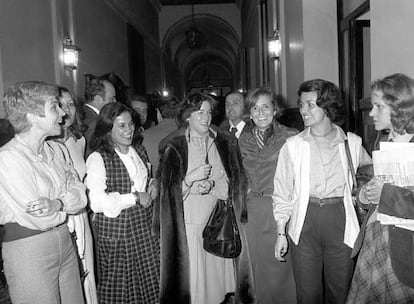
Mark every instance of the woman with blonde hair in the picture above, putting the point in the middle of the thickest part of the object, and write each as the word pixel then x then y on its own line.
pixel 38 189
pixel 260 143
pixel 385 266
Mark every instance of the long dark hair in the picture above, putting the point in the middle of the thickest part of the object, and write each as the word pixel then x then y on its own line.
pixel 78 127
pixel 101 139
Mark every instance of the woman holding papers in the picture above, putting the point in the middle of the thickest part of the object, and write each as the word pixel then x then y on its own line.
pixel 385 268
pixel 312 191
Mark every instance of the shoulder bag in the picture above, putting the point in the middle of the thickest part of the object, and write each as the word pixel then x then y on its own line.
pixel 221 233
pixel 360 212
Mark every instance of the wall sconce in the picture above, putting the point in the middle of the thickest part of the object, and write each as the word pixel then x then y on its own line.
pixel 70 54
pixel 274 45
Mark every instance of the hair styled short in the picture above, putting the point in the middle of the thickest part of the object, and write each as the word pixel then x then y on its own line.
pixel 191 104
pixel 94 86
pixel 398 93
pixel 26 97
pixel 328 97
pixel 101 139
pixel 253 96
pixel 77 128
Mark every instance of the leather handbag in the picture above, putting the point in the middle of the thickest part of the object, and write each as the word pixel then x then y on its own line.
pixel 221 234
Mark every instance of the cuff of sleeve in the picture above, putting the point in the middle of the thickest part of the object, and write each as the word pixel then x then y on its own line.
pixel 281 219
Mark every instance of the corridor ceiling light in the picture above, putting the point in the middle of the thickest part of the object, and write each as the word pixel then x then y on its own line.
pixel 274 45
pixel 192 34
pixel 70 54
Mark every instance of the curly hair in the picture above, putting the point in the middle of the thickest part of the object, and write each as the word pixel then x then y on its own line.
pixel 253 96
pixel 191 104
pixel 397 91
pixel 101 139
pixel 328 97
pixel 26 97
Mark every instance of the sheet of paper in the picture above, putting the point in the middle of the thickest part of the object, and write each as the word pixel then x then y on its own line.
pixel 394 164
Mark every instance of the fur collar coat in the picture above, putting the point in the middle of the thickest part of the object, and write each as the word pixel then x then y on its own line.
pixel 169 220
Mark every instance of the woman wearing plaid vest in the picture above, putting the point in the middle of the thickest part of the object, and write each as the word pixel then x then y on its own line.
pixel 118 178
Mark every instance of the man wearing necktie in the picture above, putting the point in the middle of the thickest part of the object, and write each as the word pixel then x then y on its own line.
pixel 234 108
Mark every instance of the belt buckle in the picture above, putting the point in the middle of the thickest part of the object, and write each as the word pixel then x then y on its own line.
pixel 322 202
pixel 318 200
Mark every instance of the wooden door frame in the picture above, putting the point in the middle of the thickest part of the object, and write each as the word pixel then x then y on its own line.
pixel 351 24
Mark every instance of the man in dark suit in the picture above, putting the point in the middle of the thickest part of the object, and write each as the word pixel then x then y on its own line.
pixel 234 107
pixel 98 93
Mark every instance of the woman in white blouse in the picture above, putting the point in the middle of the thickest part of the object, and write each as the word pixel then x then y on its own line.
pixel 120 193
pixel 38 188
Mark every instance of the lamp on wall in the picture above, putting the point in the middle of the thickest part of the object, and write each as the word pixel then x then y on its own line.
pixel 274 45
pixel 70 54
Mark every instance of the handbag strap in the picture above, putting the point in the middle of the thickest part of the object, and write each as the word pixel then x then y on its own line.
pixel 350 165
pixel 243 213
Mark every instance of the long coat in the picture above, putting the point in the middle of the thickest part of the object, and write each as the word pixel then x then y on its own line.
pixel 169 220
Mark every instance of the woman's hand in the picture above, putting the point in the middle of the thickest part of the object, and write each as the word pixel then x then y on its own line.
pixel 43 207
pixel 205 186
pixel 153 189
pixel 281 247
pixel 200 173
pixel 145 199
pixel 372 190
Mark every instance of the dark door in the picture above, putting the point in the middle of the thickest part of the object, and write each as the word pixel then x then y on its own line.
pixel 136 61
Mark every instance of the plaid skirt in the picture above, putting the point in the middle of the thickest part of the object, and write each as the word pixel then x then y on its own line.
pixel 374 281
pixel 129 266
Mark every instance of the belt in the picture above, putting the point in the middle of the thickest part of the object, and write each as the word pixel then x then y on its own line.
pixel 14 231
pixel 326 201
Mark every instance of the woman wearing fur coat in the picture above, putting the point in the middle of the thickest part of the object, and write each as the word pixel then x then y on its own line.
pixel 197 167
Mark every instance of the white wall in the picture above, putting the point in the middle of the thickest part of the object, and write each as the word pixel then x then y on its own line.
pixel 310 44
pixel 320 35
pixel 392 43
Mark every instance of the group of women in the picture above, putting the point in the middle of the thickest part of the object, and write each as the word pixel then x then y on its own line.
pixel 43 201
pixel 297 236
pixel 300 204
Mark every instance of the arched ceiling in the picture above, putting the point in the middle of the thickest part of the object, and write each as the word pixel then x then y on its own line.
pixel 220 47
pixel 183 2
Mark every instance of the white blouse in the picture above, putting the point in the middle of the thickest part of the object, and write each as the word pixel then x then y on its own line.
pixel 111 204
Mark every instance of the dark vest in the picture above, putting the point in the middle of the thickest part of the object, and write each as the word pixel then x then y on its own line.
pixel 120 227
